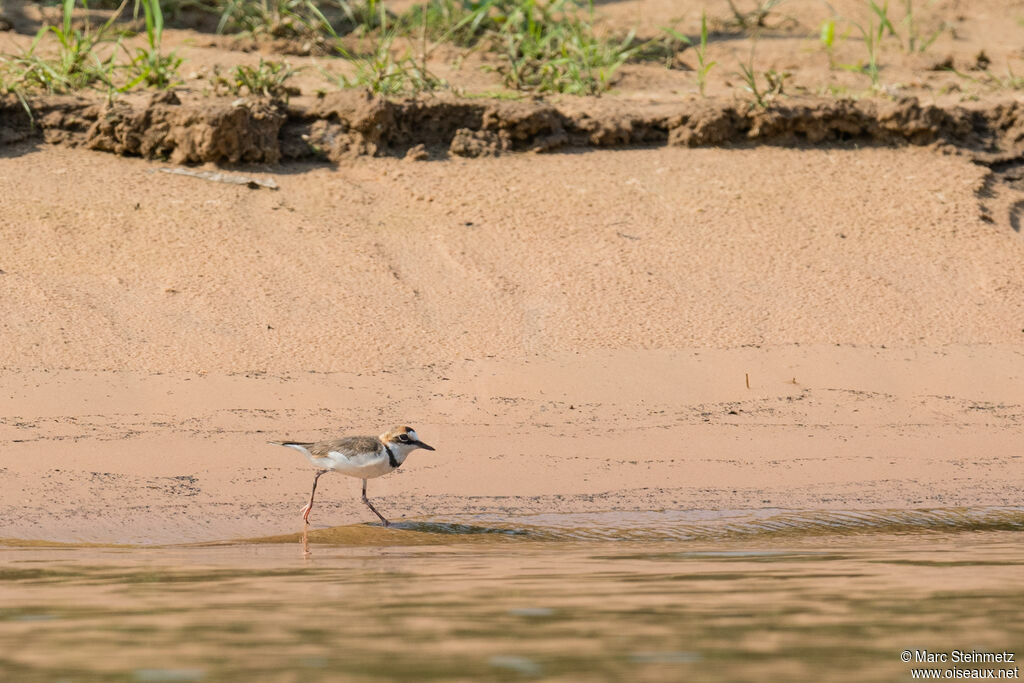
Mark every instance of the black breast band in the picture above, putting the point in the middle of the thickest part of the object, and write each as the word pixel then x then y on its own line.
pixel 391 458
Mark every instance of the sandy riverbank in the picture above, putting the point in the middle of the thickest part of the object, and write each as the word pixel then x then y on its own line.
pixel 573 332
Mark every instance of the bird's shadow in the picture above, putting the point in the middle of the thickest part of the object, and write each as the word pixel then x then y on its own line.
pixel 405 533
pixel 457 529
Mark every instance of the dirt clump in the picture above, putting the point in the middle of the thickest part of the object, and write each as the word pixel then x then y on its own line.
pixel 238 131
pixel 216 130
pixel 479 143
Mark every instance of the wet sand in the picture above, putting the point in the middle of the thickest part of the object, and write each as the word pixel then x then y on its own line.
pixel 158 458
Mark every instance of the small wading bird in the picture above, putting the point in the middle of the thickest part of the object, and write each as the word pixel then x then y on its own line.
pixel 364 457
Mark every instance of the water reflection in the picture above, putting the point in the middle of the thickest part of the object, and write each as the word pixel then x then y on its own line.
pixel 463 599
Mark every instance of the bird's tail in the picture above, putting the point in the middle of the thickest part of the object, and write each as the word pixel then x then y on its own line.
pixel 301 446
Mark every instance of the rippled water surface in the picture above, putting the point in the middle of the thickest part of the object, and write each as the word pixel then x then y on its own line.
pixel 765 595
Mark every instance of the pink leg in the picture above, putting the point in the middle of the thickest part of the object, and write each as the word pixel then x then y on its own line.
pixel 370 505
pixel 309 506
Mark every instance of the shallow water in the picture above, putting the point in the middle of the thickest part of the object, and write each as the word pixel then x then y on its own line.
pixel 744 595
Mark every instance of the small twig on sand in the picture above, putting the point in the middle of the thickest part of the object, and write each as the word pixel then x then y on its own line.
pixel 230 178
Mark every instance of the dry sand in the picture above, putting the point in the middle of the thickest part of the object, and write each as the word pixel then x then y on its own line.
pixel 572 332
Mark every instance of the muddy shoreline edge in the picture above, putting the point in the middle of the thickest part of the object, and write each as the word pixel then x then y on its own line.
pixel 189 129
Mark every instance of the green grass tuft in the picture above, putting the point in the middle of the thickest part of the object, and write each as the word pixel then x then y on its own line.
pixel 383 73
pixel 267 79
pixel 774 83
pixel 78 63
pixel 150 65
pixel 552 47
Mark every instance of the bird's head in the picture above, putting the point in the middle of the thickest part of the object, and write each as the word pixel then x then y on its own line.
pixel 403 440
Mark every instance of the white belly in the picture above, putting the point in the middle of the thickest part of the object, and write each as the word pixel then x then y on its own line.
pixel 362 466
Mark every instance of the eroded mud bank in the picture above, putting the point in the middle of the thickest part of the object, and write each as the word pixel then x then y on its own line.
pixel 189 129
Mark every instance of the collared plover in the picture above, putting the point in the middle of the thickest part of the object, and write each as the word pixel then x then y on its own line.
pixel 364 457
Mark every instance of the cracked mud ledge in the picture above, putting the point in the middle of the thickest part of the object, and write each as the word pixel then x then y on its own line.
pixel 191 129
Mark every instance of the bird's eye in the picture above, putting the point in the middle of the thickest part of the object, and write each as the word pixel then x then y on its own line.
pixel 403 437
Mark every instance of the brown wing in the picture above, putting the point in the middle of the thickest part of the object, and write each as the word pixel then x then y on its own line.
pixel 348 446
